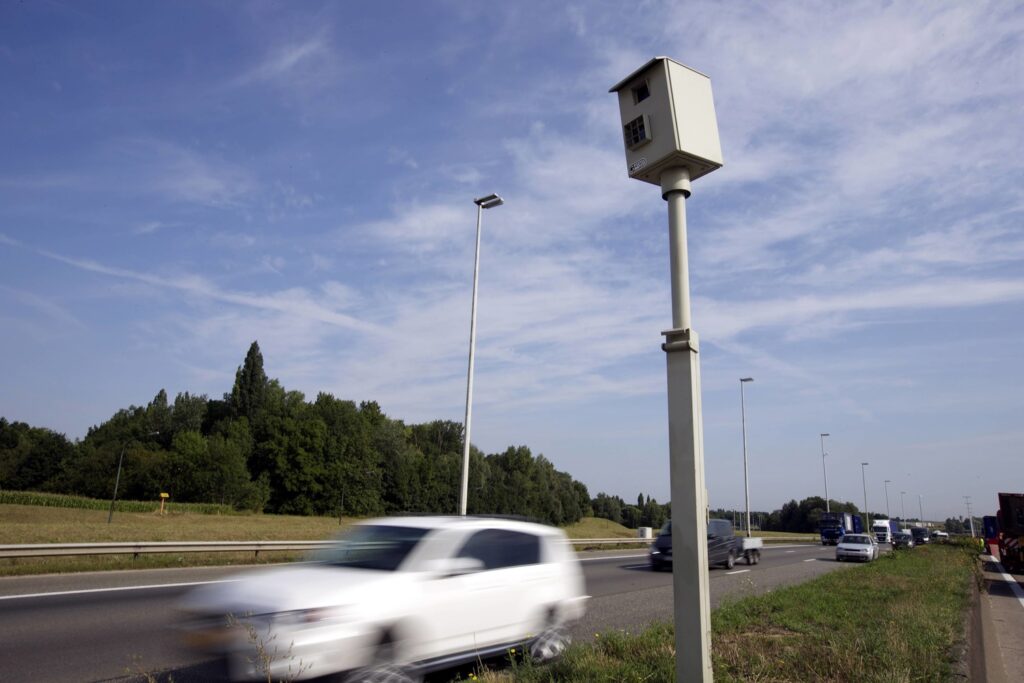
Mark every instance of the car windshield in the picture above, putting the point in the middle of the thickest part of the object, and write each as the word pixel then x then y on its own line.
pixel 381 547
pixel 856 540
pixel 667 528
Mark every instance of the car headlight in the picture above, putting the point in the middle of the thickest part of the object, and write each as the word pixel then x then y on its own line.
pixel 655 551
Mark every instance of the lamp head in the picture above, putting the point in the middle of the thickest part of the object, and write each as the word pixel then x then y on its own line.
pixel 489 202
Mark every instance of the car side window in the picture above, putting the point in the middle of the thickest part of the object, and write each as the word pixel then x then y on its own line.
pixel 719 528
pixel 499 548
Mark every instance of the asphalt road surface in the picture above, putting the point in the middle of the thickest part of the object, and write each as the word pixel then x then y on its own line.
pixel 113 625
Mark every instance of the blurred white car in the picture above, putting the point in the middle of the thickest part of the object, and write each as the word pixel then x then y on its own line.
pixel 861 547
pixel 394 599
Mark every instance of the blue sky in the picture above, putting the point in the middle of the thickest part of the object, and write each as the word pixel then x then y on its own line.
pixel 179 179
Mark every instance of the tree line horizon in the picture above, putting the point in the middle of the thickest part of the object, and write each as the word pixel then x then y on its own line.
pixel 263 448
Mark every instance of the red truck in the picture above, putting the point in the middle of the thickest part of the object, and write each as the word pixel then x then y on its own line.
pixel 1011 530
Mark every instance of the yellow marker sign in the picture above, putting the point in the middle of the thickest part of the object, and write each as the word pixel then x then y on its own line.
pixel 165 495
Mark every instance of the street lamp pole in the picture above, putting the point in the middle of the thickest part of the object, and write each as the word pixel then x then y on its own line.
pixel 824 471
pixel 743 422
pixel 903 510
pixel 887 514
pixel 482 203
pixel 864 483
pixel 920 509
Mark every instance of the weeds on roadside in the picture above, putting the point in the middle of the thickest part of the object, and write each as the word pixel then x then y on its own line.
pixel 267 651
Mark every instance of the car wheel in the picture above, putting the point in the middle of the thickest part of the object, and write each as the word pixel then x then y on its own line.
pixel 757 557
pixel 730 561
pixel 385 667
pixel 551 642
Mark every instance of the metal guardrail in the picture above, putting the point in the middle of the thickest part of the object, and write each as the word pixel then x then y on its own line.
pixel 158 547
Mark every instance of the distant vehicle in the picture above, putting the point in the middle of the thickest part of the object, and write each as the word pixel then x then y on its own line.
pixel 938 535
pixel 920 535
pixel 861 547
pixel 1011 531
pixel 882 530
pixel 903 539
pixel 393 599
pixel 724 546
pixel 834 525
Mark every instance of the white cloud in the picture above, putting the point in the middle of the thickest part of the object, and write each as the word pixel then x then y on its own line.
pixel 305 62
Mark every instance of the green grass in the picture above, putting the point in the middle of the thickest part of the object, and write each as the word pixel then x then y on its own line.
pixel 894 620
pixel 596 527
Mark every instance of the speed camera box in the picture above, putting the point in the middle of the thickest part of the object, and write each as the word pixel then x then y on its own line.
pixel 668 120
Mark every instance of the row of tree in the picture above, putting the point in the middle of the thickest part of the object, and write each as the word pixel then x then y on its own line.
pixel 264 448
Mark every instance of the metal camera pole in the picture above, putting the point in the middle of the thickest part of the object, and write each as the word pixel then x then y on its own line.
pixel 686 452
pixel 670 134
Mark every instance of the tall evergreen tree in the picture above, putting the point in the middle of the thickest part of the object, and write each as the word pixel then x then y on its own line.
pixel 250 390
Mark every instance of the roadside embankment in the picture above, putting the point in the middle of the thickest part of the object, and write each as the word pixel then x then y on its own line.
pixel 900 618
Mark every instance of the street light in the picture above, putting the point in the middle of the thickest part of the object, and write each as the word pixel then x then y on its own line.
pixel 864 483
pixel 743 422
pixel 970 515
pixel 887 482
pixel 903 510
pixel 920 509
pixel 488 202
pixel 680 147
pixel 824 471
pixel 117 481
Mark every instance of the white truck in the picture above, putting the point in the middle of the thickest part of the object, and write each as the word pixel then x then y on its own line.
pixel 882 529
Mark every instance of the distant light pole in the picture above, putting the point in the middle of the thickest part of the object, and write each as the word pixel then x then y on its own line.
pixel 920 508
pixel 887 514
pixel 488 202
pixel 970 515
pixel 743 422
pixel 864 483
pixel 117 481
pixel 824 471
pixel 903 510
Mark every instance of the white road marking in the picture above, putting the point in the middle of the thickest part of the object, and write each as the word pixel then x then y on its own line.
pixel 610 557
pixel 790 551
pixel 813 559
pixel 738 571
pixel 1014 586
pixel 112 590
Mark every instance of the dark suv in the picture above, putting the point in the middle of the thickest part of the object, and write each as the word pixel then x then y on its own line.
pixel 723 545
pixel 920 535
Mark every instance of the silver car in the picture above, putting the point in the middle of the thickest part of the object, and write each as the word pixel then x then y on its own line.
pixel 860 547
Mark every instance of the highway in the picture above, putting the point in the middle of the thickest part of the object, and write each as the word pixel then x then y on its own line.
pixel 109 625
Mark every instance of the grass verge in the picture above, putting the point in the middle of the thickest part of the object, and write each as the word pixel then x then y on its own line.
pixel 896 619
